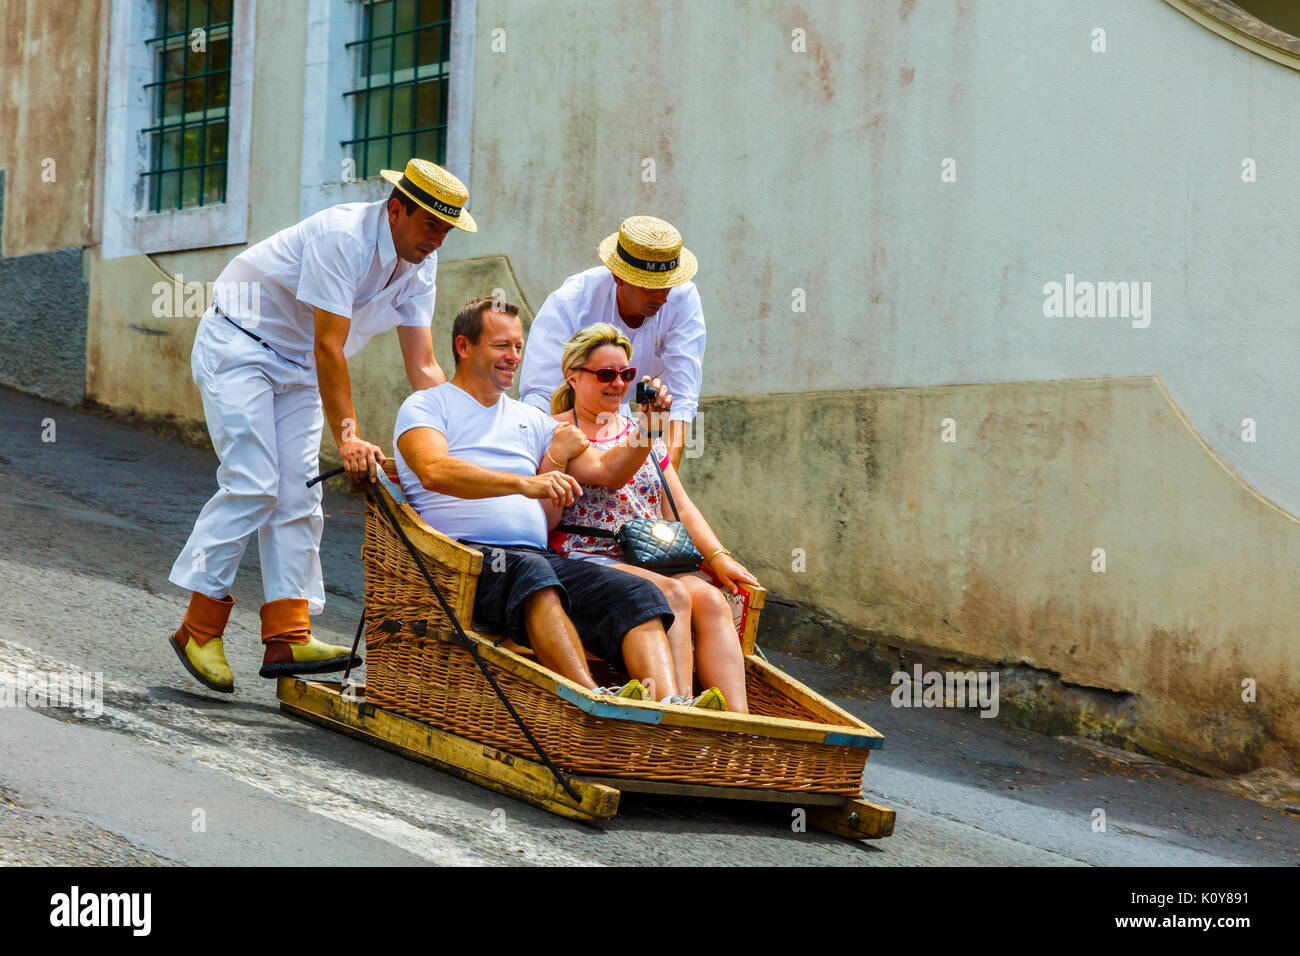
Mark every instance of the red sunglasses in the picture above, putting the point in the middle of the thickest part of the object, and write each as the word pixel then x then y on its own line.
pixel 609 373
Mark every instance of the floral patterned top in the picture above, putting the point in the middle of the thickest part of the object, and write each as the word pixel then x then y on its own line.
pixel 605 509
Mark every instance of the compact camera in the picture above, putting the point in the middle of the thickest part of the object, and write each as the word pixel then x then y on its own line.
pixel 646 393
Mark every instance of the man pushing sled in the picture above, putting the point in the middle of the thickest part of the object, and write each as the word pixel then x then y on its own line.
pixel 271 367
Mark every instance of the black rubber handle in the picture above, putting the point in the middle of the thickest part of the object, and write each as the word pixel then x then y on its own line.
pixel 324 475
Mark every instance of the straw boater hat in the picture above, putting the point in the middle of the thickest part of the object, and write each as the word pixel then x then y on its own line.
pixel 436 190
pixel 648 252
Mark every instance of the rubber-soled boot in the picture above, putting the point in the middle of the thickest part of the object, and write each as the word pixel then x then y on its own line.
pixel 290 647
pixel 197 642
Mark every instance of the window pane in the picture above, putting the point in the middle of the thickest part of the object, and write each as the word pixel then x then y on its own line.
pixel 194 95
pixel 171 150
pixel 426 145
pixel 380 60
pixel 216 143
pixel 406 10
pixel 218 91
pixel 170 190
pixel 429 104
pixel 381 18
pixel 191 149
pixel 175 10
pixel 214 189
pixel 190 188
pixel 195 62
pixel 172 96
pixel 220 10
pixel 378 113
pixel 218 53
pixel 401 108
pixel 173 63
pixel 431 50
pixel 404 53
pixel 376 159
pixel 431 11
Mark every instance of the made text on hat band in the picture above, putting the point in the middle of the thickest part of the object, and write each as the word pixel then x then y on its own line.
pixel 646 265
pixel 437 204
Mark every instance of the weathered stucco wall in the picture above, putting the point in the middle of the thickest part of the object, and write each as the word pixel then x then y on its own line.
pixel 50 83
pixel 821 171
pixel 43 305
pixel 985 546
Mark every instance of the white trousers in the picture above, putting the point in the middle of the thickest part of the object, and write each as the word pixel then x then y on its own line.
pixel 265 418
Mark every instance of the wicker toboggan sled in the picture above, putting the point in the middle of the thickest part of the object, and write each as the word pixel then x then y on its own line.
pixel 426 698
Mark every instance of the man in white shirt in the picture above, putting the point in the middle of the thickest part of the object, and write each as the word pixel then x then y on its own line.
pixel 270 360
pixel 643 290
pixel 476 465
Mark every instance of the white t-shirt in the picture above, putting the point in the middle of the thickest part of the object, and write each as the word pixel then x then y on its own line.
pixel 340 260
pixel 668 345
pixel 508 436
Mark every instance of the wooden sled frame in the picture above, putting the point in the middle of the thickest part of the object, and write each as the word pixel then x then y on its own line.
pixel 756 757
pixel 324 703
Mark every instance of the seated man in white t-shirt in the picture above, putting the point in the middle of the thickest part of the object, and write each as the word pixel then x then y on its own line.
pixel 476 465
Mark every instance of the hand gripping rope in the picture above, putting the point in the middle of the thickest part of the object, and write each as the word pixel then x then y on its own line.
pixel 465 641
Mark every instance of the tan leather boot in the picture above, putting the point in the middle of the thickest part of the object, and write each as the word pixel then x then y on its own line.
pixel 290 647
pixel 197 642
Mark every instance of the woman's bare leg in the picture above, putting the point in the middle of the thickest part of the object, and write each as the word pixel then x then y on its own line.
pixel 720 662
pixel 679 635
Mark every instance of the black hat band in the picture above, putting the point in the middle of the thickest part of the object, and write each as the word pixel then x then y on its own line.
pixel 646 265
pixel 432 201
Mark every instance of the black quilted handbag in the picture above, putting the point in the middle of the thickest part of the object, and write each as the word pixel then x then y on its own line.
pixel 651 543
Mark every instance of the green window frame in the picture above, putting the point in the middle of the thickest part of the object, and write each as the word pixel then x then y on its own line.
pixel 403 72
pixel 190 97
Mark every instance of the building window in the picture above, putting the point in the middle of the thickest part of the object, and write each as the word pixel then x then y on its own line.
pixel 178 125
pixel 403 70
pixel 190 101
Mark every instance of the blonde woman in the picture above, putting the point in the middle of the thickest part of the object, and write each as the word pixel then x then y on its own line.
pixel 596 378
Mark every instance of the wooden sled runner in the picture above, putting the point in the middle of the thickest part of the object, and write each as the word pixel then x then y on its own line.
pixel 426 698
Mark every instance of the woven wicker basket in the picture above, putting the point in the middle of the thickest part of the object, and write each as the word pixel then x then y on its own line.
pixel 416 667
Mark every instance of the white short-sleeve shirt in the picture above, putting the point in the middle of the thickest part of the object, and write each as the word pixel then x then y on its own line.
pixel 508 436
pixel 668 345
pixel 342 260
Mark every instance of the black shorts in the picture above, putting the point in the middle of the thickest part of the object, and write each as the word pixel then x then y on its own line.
pixel 603 603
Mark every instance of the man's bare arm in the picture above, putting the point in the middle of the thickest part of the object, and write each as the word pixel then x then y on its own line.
pixel 425 452
pixel 361 459
pixel 675 439
pixel 422 368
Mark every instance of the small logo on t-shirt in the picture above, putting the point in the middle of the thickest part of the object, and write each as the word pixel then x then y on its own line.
pixel 523 426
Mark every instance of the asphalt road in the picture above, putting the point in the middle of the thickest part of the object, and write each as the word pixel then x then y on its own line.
pixel 172 774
